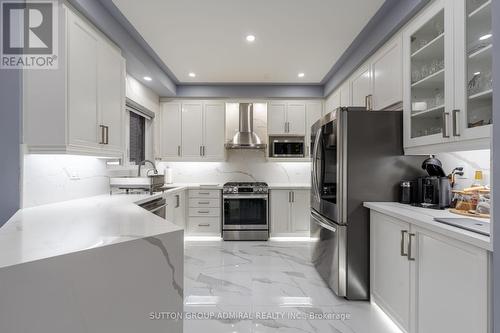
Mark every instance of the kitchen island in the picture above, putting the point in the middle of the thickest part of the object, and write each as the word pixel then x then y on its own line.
pixel 99 264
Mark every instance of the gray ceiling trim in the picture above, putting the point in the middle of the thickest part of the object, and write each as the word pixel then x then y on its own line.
pixel 250 91
pixel 389 18
pixel 139 62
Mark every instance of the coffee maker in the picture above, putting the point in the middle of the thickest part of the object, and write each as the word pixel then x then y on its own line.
pixel 434 190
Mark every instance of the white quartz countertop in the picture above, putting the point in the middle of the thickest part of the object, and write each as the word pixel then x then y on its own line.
pixel 70 226
pixel 424 217
pixel 286 186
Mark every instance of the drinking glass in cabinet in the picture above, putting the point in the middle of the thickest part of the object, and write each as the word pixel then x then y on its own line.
pixel 427 77
pixel 479 62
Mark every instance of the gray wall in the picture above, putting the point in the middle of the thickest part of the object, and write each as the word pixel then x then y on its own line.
pixel 391 16
pixel 495 173
pixel 10 139
pixel 250 91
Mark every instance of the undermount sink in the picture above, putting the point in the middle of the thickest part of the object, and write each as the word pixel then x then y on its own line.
pixel 135 182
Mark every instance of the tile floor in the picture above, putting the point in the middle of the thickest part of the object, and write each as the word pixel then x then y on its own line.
pixel 266 287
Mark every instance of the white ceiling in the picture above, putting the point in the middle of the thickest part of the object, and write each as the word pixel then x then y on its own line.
pixel 207 37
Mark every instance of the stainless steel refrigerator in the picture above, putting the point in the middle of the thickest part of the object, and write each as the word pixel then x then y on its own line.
pixel 357 156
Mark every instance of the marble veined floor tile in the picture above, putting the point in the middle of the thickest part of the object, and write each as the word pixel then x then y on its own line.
pixel 267 287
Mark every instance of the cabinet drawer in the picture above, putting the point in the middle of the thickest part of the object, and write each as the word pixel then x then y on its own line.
pixel 204 225
pixel 204 194
pixel 204 211
pixel 201 202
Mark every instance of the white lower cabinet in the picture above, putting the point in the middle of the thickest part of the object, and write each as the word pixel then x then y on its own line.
pixel 176 208
pixel 204 210
pixel 427 282
pixel 289 212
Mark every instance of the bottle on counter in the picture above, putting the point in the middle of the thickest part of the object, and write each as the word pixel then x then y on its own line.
pixel 168 175
pixel 478 179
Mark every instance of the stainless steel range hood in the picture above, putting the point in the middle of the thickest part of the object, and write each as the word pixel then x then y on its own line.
pixel 246 137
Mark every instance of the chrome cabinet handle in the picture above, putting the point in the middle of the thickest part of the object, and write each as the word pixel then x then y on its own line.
pixel 289 196
pixel 204 147
pixel 446 115
pixel 103 135
pixel 293 196
pixel 456 123
pixel 177 201
pixel 368 102
pixel 178 150
pixel 203 225
pixel 403 237
pixel 201 150
pixel 204 193
pixel 410 258
pixel 203 212
pixel 203 202
pixel 107 135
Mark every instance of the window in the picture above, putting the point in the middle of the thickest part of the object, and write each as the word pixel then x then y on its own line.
pixel 137 144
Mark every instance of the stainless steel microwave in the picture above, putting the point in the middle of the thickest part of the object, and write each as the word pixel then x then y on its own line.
pixel 287 147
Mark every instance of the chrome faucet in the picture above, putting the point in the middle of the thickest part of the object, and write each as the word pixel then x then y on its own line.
pixel 144 163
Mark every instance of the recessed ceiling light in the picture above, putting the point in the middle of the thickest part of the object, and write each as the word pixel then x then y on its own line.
pixel 192 74
pixel 250 38
pixel 148 78
pixel 485 37
pixel 477 73
pixel 301 75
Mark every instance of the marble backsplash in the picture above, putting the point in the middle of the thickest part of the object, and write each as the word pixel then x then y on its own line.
pixel 241 165
pixel 54 178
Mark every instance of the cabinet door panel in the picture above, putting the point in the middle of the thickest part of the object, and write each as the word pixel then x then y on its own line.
pixel 333 101
pixel 361 86
pixel 171 130
pixel 300 212
pixel 276 118
pixel 111 95
pixel 280 211
pixel 192 129
pixel 389 270
pixel 296 118
pixel 214 130
pixel 450 285
pixel 82 84
pixel 387 72
pixel 345 94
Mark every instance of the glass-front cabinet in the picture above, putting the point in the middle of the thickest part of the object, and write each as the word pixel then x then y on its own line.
pixel 474 95
pixel 447 76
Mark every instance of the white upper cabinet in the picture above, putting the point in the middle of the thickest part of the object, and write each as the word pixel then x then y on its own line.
pixel 472 114
pixel 286 118
pixel 387 75
pixel 192 130
pixel 361 87
pixel 170 130
pixel 345 94
pixel 79 107
pixel 447 78
pixel 276 118
pixel 83 49
pixel 333 101
pixel 111 96
pixel 214 130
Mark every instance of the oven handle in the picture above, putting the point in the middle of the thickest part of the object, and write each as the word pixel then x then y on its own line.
pixel 245 196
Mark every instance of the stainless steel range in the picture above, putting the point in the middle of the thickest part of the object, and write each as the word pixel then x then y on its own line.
pixel 246 211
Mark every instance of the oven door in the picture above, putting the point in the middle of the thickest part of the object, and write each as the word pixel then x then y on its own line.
pixel 245 212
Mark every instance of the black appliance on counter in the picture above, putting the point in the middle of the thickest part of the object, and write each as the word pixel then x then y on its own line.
pixel 432 191
pixel 246 213
pixel 357 156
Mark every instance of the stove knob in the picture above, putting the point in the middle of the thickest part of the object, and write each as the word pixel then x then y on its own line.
pixel 235 189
